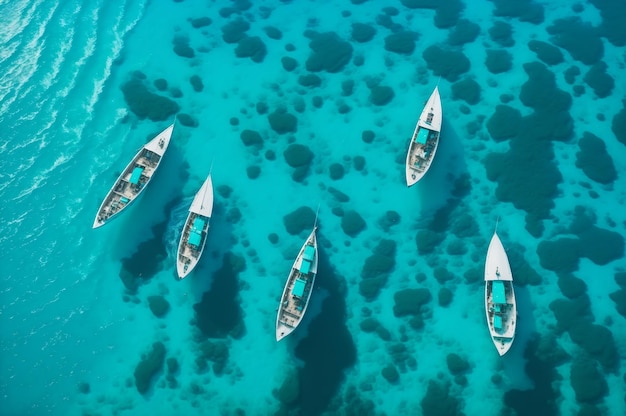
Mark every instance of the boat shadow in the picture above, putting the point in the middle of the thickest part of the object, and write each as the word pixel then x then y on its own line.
pixel 514 362
pixel 449 163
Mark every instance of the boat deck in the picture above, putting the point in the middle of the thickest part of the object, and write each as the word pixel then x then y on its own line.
pixel 501 313
pixel 130 184
pixel 292 305
pixel 191 246
pixel 421 153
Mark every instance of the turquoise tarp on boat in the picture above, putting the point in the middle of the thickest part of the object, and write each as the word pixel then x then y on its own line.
pixel 198 224
pixel 422 135
pixel 298 288
pixel 497 291
pixel 309 253
pixel 497 322
pixel 194 239
pixel 305 267
pixel 134 177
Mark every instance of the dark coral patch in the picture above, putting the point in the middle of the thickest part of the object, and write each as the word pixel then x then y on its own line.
pixel 336 171
pixel 182 48
pixel 215 352
pixel 594 160
pixel 251 47
pixel 601 82
pixel 273 33
pixel 526 176
pixel 187 120
pixel 444 296
pixel 362 32
pixel 329 52
pixel 598 341
pixel 160 84
pixel 390 219
pixel 409 302
pixel 219 313
pixel 504 123
pixel 381 95
pixel 253 171
pixel 146 261
pixel 298 155
pixel 571 286
pixel 283 122
pixel 251 138
pixel 612 26
pixel 196 83
pixel 438 400
pixel 467 90
pixel 201 22
pixel 619 124
pixel 146 104
pixel 587 381
pixel 579 38
pixel 390 373
pixel 498 61
pixel 158 305
pixel 457 364
pixel 234 31
pixel 299 220
pixel 447 63
pixel 428 240
pixel 560 255
pixel 464 32
pixel 401 42
pixel 549 54
pixel 377 268
pixel 289 64
pixel 524 10
pixel 502 34
pixel 149 366
pixel 352 223
pixel 309 80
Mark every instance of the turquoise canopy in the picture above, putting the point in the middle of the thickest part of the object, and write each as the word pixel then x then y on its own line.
pixel 198 225
pixel 422 135
pixel 497 322
pixel 134 177
pixel 309 253
pixel 194 239
pixel 498 292
pixel 305 267
pixel 298 288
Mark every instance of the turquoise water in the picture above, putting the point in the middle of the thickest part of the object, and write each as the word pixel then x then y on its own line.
pixel 534 135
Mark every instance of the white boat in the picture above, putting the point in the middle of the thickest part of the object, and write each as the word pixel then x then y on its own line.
pixel 500 306
pixel 298 289
pixel 193 238
pixel 134 179
pixel 425 140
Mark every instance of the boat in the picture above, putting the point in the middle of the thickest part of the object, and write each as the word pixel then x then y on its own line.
pixel 425 140
pixel 500 305
pixel 193 238
pixel 134 178
pixel 298 289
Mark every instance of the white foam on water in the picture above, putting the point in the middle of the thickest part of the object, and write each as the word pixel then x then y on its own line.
pixel 25 66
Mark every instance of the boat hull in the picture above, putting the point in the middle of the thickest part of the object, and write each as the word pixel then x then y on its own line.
pixel 188 253
pixel 500 303
pixel 424 141
pixel 134 179
pixel 298 288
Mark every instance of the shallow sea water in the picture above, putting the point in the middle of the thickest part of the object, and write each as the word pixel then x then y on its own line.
pixel 533 138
